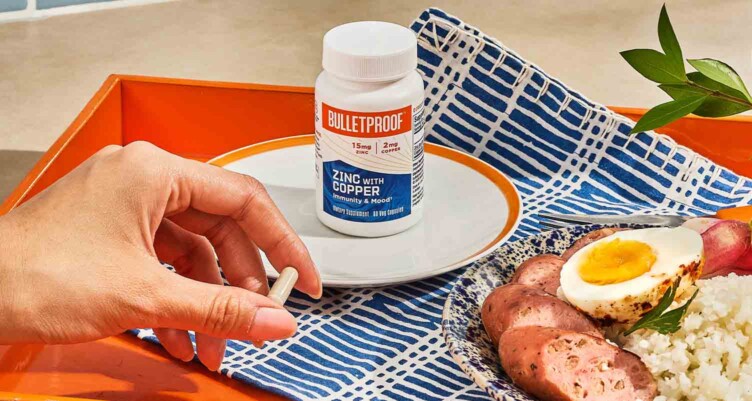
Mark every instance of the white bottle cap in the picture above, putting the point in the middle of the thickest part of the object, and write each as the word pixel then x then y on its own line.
pixel 370 51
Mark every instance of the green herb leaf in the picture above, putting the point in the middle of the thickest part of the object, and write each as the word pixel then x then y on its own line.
pixel 669 43
pixel 657 311
pixel 664 323
pixel 670 322
pixel 712 106
pixel 655 66
pixel 720 72
pixel 681 91
pixel 708 83
pixel 668 112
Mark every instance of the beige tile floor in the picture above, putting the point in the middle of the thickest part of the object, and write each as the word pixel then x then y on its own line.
pixel 49 68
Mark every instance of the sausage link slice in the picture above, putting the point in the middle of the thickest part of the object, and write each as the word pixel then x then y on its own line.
pixel 515 305
pixel 542 271
pixel 561 365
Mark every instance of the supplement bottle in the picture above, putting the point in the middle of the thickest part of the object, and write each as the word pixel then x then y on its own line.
pixel 369 130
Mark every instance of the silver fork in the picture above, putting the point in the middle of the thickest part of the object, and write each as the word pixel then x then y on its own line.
pixel 556 220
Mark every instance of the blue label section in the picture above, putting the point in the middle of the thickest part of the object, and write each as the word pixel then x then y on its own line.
pixel 354 194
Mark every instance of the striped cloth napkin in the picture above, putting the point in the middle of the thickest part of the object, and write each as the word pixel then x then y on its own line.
pixel 564 153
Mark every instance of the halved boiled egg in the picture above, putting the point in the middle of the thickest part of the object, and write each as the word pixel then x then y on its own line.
pixel 621 277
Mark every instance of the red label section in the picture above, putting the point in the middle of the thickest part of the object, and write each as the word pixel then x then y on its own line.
pixel 367 125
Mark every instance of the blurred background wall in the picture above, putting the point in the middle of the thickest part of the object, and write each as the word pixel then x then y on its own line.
pixel 51 65
pixel 14 10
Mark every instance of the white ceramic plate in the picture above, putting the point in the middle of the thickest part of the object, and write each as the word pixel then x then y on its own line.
pixel 470 209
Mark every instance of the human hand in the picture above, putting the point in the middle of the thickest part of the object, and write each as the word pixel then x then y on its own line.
pixel 80 261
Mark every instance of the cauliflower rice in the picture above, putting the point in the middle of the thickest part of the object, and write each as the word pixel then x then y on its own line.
pixel 709 357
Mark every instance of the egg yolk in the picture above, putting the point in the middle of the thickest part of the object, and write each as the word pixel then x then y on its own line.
pixel 616 261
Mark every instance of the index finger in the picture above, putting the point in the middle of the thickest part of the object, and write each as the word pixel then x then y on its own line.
pixel 214 190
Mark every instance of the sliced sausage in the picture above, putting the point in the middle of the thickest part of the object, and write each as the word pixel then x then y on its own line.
pixel 560 365
pixel 514 305
pixel 542 271
pixel 588 239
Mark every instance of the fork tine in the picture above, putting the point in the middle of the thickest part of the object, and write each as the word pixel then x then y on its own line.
pixel 567 218
pixel 553 224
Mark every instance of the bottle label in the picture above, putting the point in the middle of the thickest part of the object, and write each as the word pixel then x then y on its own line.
pixel 369 163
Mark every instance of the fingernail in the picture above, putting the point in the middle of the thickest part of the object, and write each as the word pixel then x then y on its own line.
pixel 320 286
pixel 321 290
pixel 320 293
pixel 211 351
pixel 187 358
pixel 272 324
pixel 313 292
pixel 221 354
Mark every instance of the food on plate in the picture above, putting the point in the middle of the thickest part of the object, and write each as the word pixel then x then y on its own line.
pixel 621 277
pixel 540 271
pixel 683 338
pixel 561 365
pixel 710 357
pixel 660 318
pixel 726 243
pixel 515 305
pixel 588 239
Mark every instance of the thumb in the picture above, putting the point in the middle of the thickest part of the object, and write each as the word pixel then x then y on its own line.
pixel 221 311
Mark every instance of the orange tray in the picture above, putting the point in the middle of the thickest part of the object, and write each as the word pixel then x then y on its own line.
pixel 200 120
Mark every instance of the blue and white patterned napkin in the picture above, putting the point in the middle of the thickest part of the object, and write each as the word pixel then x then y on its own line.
pixel 564 153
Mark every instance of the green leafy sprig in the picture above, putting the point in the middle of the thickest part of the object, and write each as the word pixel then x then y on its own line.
pixel 664 323
pixel 714 90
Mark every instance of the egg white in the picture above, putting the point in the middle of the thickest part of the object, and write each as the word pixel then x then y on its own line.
pixel 679 253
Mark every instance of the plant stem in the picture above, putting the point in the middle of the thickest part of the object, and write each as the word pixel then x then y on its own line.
pixel 721 95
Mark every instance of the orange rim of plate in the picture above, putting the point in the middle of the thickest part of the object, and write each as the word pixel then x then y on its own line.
pixel 506 188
